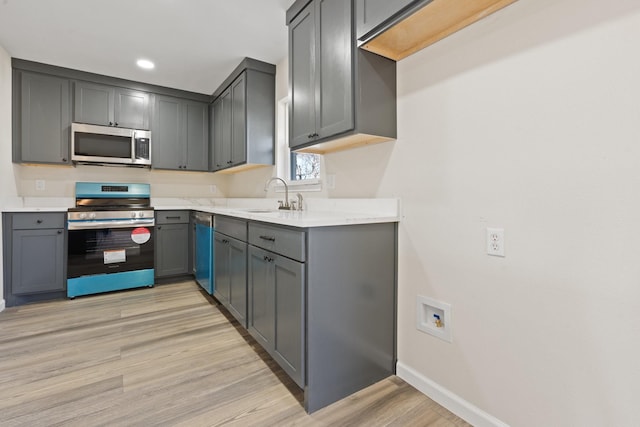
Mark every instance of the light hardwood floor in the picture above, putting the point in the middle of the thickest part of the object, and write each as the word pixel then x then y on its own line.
pixel 166 356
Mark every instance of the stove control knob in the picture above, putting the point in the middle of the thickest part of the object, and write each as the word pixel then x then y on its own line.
pixel 140 214
pixel 83 216
pixel 92 215
pixel 133 214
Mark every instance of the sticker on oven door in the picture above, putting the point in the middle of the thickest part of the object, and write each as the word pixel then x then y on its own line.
pixel 115 255
pixel 140 235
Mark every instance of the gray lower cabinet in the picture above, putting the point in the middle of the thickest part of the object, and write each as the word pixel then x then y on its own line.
pixel 244 117
pixel 34 257
pixel 172 244
pixel 106 105
pixel 276 301
pixel 338 92
pixel 322 302
pixel 371 13
pixel 180 134
pixel 230 265
pixel 41 118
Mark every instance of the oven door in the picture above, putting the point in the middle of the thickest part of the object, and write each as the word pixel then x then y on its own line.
pixel 107 250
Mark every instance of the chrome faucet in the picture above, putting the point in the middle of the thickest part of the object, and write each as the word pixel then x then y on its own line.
pixel 284 206
pixel 299 201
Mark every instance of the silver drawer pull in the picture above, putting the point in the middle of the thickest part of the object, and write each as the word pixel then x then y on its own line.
pixel 269 238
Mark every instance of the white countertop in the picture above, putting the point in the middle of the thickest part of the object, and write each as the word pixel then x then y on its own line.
pixel 316 213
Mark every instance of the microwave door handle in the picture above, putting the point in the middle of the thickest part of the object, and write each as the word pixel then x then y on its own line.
pixel 133 146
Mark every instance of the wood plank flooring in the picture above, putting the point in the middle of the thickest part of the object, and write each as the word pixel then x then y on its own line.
pixel 166 356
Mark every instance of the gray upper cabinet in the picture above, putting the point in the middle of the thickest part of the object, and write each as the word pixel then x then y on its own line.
pixel 340 96
pixel 110 106
pixel 222 132
pixel 41 119
pixel 302 109
pixel 244 118
pixel 321 69
pixel 371 13
pixel 238 120
pixel 180 134
pixel 131 109
pixel 396 29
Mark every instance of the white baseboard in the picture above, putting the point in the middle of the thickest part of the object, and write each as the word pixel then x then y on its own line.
pixel 1 305
pixel 446 398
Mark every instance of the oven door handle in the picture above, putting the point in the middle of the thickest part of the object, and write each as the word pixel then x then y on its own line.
pixel 126 223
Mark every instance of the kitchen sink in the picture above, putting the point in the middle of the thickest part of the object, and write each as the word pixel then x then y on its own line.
pixel 260 210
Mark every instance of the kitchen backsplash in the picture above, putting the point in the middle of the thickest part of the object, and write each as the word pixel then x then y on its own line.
pixel 59 181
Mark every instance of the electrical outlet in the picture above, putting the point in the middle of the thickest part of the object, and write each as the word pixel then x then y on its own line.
pixel 495 241
pixel 213 189
pixel 331 181
pixel 40 185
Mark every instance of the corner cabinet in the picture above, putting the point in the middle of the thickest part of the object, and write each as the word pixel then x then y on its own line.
pixel 244 118
pixel 105 105
pixel 180 134
pixel 341 96
pixel 41 118
pixel 172 244
pixel 34 257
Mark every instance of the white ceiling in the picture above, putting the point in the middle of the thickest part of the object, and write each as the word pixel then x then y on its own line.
pixel 195 44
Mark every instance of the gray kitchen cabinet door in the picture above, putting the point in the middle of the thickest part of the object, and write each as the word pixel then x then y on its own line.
pixel 167 134
pixel 171 250
pixel 221 267
pixel 131 109
pixel 197 138
pixel 261 299
pixel 45 119
pixel 334 68
pixel 302 59
pixel 192 243
pixel 321 72
pixel 94 104
pixel 217 162
pixel 239 120
pixel 237 259
pixel 371 13
pixel 37 261
pixel 226 130
pixel 289 320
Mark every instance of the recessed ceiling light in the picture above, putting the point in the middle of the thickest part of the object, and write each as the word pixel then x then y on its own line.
pixel 145 63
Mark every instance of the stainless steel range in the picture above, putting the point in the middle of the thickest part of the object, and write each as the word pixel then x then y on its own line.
pixel 111 238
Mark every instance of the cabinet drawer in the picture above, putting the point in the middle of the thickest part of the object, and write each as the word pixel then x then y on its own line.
pixel 232 227
pixel 172 217
pixel 32 221
pixel 283 241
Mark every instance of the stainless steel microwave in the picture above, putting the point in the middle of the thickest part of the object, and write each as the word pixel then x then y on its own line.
pixel 93 144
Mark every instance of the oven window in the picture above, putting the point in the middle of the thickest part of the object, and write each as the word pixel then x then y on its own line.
pixel 88 144
pixel 110 250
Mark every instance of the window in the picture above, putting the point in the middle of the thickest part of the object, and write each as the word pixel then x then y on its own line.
pixel 305 166
pixel 302 170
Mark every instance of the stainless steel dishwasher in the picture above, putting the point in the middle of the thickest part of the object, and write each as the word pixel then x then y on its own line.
pixel 204 251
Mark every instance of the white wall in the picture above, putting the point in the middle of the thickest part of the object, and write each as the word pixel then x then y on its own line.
pixel 528 120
